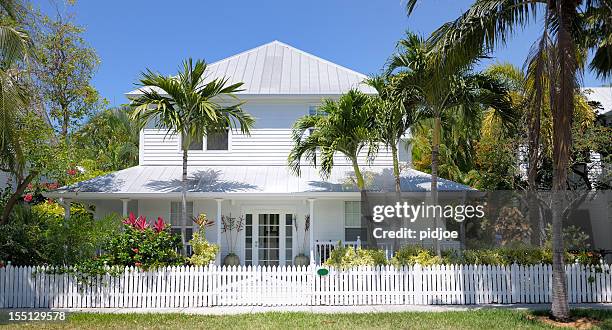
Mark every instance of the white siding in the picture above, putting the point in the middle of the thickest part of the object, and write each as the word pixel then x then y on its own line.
pixel 268 144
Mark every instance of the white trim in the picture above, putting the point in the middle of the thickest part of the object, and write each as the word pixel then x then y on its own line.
pixel 255 211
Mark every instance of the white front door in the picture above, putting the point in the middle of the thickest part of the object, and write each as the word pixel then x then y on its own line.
pixel 268 238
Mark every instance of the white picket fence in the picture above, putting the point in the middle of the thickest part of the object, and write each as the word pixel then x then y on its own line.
pixel 23 287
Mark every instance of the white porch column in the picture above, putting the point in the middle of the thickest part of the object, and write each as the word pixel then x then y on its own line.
pixel 311 230
pixel 65 202
pixel 218 222
pixel 124 202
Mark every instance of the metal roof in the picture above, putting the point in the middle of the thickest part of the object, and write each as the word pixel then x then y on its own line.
pixel 603 95
pixel 154 181
pixel 276 68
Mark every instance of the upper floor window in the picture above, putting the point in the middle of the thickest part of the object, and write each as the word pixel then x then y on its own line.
pixel 196 143
pixel 218 141
pixel 213 141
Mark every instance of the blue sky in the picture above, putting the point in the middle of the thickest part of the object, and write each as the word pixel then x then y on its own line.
pixel 130 36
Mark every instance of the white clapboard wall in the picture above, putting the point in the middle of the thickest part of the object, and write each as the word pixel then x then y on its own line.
pixel 175 287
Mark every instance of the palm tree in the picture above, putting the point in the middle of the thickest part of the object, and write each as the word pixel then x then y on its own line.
pixel 111 138
pixel 394 115
pixel 435 93
pixel 187 105
pixel 567 25
pixel 342 127
pixel 14 49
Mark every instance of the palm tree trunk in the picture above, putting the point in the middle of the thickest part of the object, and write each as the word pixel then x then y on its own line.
pixel 534 154
pixel 435 147
pixel 563 109
pixel 396 171
pixel 10 204
pixel 398 190
pixel 184 203
pixel 365 208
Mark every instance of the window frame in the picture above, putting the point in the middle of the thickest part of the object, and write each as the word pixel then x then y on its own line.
pixel 344 215
pixel 204 146
pixel 191 225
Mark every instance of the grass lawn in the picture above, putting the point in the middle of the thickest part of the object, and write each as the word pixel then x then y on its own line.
pixel 477 319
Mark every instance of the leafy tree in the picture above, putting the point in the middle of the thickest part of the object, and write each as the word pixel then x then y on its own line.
pixel 187 105
pixel 64 67
pixel 108 141
pixel 568 25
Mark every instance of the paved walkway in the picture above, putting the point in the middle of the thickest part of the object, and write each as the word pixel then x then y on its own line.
pixel 232 310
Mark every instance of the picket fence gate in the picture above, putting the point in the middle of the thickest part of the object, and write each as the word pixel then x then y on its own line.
pixel 175 287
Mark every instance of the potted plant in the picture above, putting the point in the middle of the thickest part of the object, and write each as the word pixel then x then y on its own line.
pixel 302 259
pixel 204 252
pixel 231 228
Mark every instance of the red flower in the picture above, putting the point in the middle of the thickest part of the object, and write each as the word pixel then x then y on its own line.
pixel 71 171
pixel 131 220
pixel 138 264
pixel 135 250
pixel 141 224
pixel 53 186
pixel 28 198
pixel 159 225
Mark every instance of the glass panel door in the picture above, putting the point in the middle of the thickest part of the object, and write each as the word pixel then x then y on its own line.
pixel 268 239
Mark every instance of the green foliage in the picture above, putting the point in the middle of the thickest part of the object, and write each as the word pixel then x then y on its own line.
pixel 64 67
pixel 347 257
pixel 40 235
pixel 574 238
pixel 518 254
pixel 204 252
pixel 145 248
pixel 410 255
pixel 109 141
pixel 345 126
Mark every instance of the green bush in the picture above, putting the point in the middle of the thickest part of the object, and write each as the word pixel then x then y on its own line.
pixel 204 252
pixel 41 236
pixel 347 257
pixel 142 246
pixel 412 254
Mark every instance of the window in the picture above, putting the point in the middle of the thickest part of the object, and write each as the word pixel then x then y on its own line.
pixel 289 219
pixel 197 142
pixel 218 140
pixel 352 222
pixel 176 211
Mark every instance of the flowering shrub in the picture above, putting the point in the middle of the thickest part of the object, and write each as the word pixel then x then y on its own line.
pixel 204 252
pixel 143 246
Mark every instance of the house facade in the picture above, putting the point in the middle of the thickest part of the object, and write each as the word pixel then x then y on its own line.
pixel 246 177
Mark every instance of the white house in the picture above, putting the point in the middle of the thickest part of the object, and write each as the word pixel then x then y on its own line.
pixel 247 176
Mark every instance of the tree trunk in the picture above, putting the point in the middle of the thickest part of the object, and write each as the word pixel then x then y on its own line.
pixel 562 111
pixel 396 171
pixel 532 174
pixel 435 147
pixel 365 208
pixel 184 203
pixel 398 192
pixel 10 204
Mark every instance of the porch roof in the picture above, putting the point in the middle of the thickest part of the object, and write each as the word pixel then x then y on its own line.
pixel 218 181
